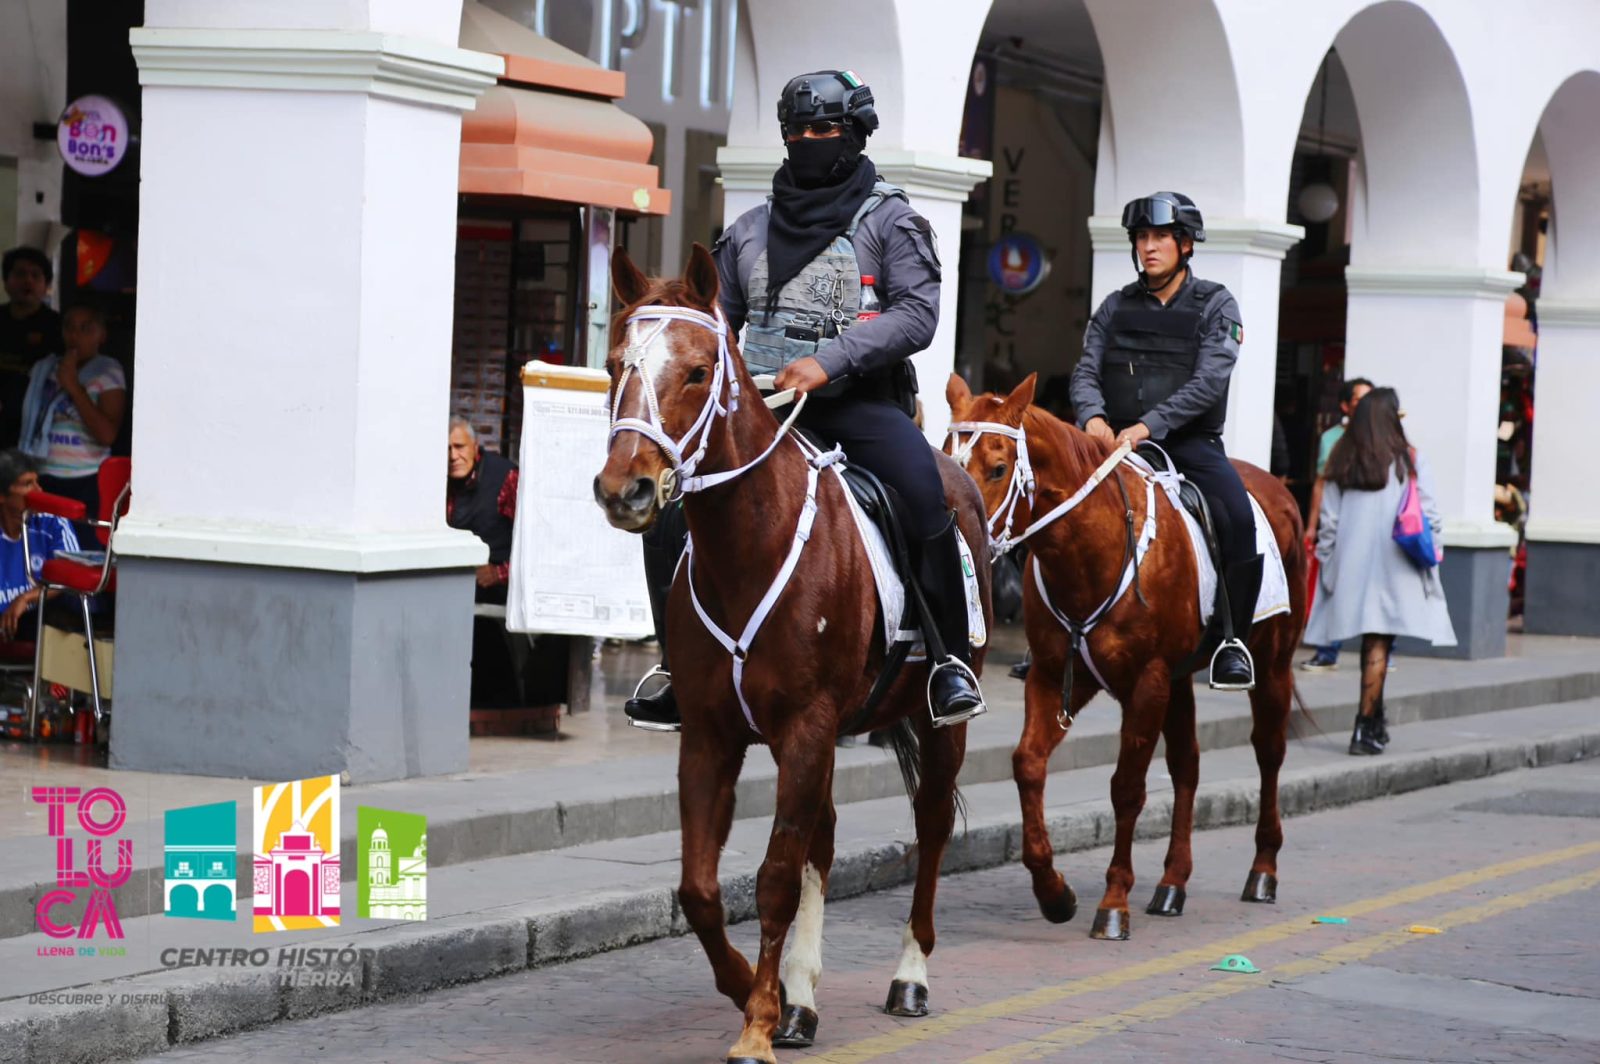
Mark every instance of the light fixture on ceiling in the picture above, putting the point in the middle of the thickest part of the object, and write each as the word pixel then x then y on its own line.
pixel 1318 201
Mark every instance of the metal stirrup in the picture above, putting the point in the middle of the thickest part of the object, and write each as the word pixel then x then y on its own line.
pixel 953 662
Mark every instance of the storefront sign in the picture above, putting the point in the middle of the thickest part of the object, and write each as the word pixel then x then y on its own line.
pixel 1018 264
pixel 92 135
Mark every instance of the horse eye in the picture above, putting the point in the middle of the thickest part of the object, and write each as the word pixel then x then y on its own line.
pixel 697 375
pixel 998 471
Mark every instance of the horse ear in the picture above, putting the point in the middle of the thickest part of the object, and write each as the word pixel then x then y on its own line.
pixel 956 393
pixel 700 276
pixel 626 278
pixel 1021 396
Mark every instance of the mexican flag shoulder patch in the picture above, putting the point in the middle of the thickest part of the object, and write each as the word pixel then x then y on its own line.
pixel 1235 330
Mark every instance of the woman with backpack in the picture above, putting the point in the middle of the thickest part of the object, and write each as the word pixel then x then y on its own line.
pixel 1375 542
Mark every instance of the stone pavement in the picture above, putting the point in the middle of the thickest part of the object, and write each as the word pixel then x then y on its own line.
pixel 526 909
pixel 1508 867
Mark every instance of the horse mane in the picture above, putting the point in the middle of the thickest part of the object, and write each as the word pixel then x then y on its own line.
pixel 1078 447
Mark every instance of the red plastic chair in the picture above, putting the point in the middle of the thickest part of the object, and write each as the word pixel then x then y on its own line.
pixel 79 577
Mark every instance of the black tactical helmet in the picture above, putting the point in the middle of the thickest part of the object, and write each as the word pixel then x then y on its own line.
pixel 1165 210
pixel 824 96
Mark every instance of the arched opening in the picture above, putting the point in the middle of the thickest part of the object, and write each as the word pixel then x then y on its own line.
pixel 218 900
pixel 297 893
pixel 1557 228
pixel 185 901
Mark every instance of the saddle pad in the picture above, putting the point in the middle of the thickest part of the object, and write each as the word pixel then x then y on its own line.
pixel 1274 596
pixel 892 593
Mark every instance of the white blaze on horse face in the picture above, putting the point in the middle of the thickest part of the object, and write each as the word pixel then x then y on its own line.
pixel 913 963
pixel 655 354
pixel 803 966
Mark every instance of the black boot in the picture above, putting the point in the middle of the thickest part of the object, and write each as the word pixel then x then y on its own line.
pixel 1379 731
pixel 663 546
pixel 1231 666
pixel 1362 743
pixel 953 694
pixel 1019 671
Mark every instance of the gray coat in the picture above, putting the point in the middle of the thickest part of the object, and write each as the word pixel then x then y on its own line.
pixel 1368 584
pixel 895 244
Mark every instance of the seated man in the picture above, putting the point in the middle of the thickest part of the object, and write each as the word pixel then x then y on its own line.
pixel 481 498
pixel 47 536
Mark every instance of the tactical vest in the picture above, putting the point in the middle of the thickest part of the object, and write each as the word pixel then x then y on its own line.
pixel 813 309
pixel 1150 353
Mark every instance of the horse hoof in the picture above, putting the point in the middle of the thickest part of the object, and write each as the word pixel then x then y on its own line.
pixel 1261 887
pixel 797 1029
pixel 746 1060
pixel 1110 925
pixel 906 999
pixel 1061 908
pixel 1168 901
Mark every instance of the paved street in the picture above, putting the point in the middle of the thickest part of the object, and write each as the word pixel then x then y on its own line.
pixel 1507 867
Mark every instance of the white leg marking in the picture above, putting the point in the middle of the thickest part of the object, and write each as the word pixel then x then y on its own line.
pixel 913 964
pixel 803 966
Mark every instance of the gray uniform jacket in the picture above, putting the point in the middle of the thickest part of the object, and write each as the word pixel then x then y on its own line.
pixel 1219 350
pixel 1368 583
pixel 894 245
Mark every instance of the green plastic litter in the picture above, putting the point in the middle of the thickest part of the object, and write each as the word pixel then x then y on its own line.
pixel 1331 920
pixel 1234 962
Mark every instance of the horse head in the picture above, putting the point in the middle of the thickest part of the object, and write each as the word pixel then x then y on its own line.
pixel 987 438
pixel 674 371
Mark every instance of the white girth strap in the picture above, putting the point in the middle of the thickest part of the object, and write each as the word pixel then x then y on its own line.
pixel 1147 536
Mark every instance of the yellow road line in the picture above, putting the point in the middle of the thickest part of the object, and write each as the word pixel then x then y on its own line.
pixel 1163 1008
pixel 938 1026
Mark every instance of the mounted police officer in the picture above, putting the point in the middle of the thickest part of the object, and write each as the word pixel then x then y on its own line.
pixel 1156 361
pixel 806 274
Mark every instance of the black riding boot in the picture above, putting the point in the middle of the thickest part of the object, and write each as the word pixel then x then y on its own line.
pixel 953 691
pixel 1231 666
pixel 663 546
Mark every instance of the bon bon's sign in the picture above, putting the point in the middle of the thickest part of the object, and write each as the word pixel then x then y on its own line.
pixel 92 135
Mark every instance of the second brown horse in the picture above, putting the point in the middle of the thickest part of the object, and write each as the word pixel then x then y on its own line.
pixel 1138 648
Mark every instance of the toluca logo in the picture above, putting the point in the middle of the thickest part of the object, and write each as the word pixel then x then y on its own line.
pixel 69 878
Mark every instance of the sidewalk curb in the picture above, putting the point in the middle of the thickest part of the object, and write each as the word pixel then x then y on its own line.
pixel 412 959
pixel 501 830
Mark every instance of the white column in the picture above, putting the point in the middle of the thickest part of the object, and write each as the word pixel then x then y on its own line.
pixel 1563 528
pixel 296 269
pixel 296 275
pixel 1247 256
pixel 1566 384
pixel 1434 335
pixel 938 184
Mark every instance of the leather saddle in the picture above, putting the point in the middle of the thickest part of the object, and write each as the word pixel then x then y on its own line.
pixel 882 506
pixel 1194 501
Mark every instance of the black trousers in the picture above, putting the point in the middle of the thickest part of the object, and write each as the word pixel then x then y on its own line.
pixel 1200 458
pixel 879 437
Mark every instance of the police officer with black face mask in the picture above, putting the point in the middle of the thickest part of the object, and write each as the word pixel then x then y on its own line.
pixel 1156 361
pixel 836 282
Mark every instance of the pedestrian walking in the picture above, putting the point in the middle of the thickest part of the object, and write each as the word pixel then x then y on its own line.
pixel 1351 392
pixel 1370 585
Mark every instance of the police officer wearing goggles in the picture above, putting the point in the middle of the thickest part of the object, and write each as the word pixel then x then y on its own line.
pixel 793 272
pixel 1156 361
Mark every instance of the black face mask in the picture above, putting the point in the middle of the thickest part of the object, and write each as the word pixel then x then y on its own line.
pixel 812 160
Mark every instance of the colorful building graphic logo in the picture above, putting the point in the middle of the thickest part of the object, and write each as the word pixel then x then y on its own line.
pixel 297 855
pixel 393 874
pixel 202 853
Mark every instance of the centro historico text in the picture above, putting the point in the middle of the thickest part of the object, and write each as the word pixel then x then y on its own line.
pixel 296 965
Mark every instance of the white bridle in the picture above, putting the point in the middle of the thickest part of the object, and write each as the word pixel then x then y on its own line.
pixel 681 479
pixel 1022 483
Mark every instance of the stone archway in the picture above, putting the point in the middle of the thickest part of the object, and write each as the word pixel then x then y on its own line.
pixel 1563 529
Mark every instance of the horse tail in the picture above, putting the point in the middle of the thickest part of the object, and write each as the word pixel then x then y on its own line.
pixel 908 754
pixel 1304 711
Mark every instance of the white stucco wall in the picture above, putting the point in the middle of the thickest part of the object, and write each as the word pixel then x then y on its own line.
pixel 33 88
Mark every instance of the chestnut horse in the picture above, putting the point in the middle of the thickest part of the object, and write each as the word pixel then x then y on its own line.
pixel 687 419
pixel 1148 625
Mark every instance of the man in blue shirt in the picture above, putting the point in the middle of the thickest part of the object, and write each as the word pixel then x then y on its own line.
pixel 47 536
